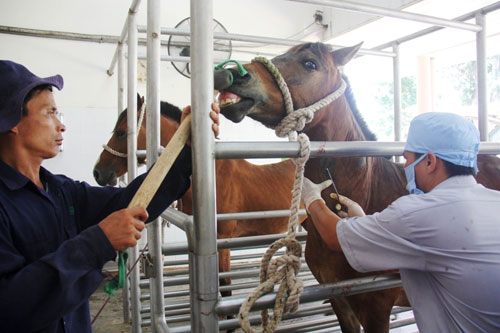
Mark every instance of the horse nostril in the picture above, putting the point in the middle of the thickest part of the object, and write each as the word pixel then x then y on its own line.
pixel 222 79
pixel 96 175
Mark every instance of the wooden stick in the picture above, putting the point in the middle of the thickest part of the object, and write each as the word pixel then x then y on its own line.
pixel 153 180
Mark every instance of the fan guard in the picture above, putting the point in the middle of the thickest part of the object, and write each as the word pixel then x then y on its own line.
pixel 181 45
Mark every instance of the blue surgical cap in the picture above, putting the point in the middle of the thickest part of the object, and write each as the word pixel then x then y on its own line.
pixel 450 136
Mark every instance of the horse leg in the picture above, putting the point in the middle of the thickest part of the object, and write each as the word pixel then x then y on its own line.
pixel 225 266
pixel 374 309
pixel 346 317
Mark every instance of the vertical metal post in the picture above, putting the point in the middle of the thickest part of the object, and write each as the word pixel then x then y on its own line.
pixel 121 78
pixel 135 292
pixel 121 107
pixel 397 95
pixel 158 323
pixel 203 254
pixel 482 86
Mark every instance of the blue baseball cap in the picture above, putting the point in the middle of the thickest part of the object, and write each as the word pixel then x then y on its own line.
pixel 450 136
pixel 16 81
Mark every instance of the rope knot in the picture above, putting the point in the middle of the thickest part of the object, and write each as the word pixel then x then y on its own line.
pixel 305 150
pixel 295 121
pixel 284 268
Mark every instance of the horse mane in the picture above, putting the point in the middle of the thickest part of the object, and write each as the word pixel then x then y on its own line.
pixel 324 51
pixel 168 110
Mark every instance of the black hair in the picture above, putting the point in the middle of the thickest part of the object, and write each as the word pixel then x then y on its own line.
pixel 453 169
pixel 30 95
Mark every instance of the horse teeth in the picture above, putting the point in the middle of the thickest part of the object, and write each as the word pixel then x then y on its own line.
pixel 228 101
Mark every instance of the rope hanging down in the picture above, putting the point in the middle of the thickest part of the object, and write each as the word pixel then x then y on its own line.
pixel 287 267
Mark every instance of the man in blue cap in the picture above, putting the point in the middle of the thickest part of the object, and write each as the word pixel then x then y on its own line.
pixel 443 237
pixel 57 233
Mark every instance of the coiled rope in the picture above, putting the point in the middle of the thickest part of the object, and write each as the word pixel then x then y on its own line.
pixel 287 267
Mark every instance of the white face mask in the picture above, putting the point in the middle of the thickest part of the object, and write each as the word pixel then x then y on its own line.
pixel 411 185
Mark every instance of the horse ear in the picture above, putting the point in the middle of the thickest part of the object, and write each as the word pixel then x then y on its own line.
pixel 344 55
pixel 140 101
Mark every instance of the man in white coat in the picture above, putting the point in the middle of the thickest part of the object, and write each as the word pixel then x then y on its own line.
pixel 444 236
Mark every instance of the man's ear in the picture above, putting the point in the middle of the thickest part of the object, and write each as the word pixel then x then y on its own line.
pixel 14 130
pixel 431 161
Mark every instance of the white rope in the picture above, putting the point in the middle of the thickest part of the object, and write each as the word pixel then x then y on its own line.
pixel 114 152
pixel 139 124
pixel 287 267
pixel 295 121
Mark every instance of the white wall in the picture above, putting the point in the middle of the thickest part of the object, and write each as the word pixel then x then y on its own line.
pixel 89 95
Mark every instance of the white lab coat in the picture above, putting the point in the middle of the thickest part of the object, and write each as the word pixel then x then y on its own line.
pixel 446 244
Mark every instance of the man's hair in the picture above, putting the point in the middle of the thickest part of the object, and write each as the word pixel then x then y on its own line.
pixel 30 95
pixel 453 169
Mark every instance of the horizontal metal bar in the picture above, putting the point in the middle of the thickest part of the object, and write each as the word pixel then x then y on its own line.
pixel 231 305
pixel 185 59
pixel 239 274
pixel 402 322
pixel 255 320
pixel 178 218
pixel 232 243
pixel 307 324
pixel 284 149
pixel 259 39
pixel 233 258
pixel 176 293
pixel 304 276
pixel 58 35
pixel 182 305
pixel 485 10
pixel 380 11
pixel 258 215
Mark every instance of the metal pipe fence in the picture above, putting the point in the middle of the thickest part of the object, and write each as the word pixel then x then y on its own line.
pixel 200 228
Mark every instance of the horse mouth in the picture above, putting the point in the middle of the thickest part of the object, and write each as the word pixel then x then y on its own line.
pixel 234 107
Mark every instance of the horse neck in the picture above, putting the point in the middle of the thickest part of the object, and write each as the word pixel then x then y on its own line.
pixel 168 127
pixel 334 122
pixel 352 175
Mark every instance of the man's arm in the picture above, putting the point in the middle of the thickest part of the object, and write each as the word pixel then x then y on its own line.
pixel 323 218
pixel 34 295
pixel 325 222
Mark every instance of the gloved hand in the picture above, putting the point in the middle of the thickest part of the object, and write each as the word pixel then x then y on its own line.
pixel 353 209
pixel 312 192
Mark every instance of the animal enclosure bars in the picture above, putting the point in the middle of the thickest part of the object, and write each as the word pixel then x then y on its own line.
pixel 201 304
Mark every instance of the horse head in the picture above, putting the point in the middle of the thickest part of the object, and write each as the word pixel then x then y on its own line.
pixel 311 72
pixel 112 162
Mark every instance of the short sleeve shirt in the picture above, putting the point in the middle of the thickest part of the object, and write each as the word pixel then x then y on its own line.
pixel 446 244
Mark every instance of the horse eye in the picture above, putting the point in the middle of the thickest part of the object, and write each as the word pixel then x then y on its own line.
pixel 120 134
pixel 310 65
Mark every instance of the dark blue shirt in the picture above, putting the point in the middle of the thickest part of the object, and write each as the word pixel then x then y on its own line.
pixel 51 249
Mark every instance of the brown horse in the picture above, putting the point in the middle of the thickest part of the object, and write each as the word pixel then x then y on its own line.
pixel 241 186
pixel 311 73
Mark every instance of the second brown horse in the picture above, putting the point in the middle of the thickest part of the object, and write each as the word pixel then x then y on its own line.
pixel 241 186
